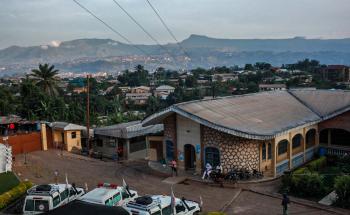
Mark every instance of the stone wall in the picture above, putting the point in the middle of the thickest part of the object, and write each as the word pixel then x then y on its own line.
pixel 234 151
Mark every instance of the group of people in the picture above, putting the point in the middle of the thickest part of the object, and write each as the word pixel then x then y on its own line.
pixel 209 169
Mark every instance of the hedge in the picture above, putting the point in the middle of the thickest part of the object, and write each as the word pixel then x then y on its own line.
pixel 342 189
pixel 13 194
pixel 8 181
pixel 317 164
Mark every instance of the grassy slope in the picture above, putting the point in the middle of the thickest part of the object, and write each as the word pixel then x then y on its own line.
pixel 7 181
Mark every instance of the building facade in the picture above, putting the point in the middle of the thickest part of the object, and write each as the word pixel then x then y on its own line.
pixel 270 131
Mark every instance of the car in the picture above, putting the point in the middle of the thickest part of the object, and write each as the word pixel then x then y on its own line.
pixel 110 195
pixel 46 197
pixel 161 205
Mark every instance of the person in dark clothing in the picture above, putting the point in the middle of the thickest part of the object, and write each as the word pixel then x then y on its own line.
pixel 285 202
pixel 173 165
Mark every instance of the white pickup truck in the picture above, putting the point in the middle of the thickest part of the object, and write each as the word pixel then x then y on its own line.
pixel 110 195
pixel 161 205
pixel 43 198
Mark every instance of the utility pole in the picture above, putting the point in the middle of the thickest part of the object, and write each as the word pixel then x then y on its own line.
pixel 88 112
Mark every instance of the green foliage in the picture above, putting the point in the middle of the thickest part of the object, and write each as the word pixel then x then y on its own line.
pixel 342 189
pixel 317 164
pixel 8 181
pixel 13 194
pixel 307 184
pixel 46 78
pixel 136 78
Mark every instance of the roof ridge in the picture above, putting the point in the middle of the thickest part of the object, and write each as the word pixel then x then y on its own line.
pixel 231 96
pixel 304 104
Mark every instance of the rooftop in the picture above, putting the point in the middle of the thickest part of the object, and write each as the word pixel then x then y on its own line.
pixel 66 126
pixel 261 115
pixel 128 130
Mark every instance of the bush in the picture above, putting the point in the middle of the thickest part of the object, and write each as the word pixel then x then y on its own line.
pixel 342 189
pixel 317 164
pixel 13 194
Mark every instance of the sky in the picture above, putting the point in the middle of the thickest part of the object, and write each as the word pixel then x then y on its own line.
pixel 43 22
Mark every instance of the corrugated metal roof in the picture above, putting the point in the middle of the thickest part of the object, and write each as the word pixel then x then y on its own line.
pixel 323 102
pixel 66 126
pixel 128 130
pixel 261 115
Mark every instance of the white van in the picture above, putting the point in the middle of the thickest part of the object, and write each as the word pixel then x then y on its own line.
pixel 110 195
pixel 161 205
pixel 43 198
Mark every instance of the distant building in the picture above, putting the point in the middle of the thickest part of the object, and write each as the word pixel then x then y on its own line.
pixel 137 98
pixel 269 87
pixel 337 73
pixel 140 89
pixel 126 140
pixel 163 91
pixel 79 90
pixel 224 77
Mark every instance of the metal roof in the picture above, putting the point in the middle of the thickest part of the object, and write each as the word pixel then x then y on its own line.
pixel 260 115
pixel 128 130
pixel 66 126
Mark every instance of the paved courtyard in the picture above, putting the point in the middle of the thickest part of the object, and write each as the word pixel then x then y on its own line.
pixel 41 165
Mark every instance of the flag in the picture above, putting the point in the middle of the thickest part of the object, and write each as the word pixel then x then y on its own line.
pixel 67 186
pixel 173 201
pixel 124 184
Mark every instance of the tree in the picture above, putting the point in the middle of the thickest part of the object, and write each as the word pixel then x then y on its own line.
pixel 46 78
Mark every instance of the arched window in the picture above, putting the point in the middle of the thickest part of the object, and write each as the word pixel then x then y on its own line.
pixel 269 151
pixel 282 147
pixel 310 138
pixel 263 151
pixel 212 156
pixel 169 149
pixel 296 141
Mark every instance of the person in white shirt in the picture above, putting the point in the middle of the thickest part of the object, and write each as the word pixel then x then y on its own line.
pixel 207 171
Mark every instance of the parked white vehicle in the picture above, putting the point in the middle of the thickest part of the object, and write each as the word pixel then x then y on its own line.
pixel 161 205
pixel 110 195
pixel 43 198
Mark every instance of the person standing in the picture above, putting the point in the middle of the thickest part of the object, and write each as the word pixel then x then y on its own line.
pixel 207 171
pixel 173 167
pixel 285 202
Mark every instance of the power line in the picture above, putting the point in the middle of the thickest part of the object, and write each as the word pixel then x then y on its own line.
pixel 111 28
pixel 143 29
pixel 167 28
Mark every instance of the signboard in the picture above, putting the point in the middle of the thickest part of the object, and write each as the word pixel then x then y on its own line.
pixel 198 148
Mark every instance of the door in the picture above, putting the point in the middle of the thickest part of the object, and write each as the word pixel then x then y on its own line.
pixel 190 156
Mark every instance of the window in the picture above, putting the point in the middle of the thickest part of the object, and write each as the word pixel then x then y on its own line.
pixel 64 194
pixel 269 151
pixel 125 195
pixel 74 135
pixel 169 149
pixel 116 198
pixel 29 205
pixel 311 137
pixel 282 147
pixel 263 151
pixel 41 205
pixel 296 141
pixel 56 201
pixel 137 146
pixel 156 213
pixel 180 208
pixel 212 156
pixel 167 210
pixel 99 143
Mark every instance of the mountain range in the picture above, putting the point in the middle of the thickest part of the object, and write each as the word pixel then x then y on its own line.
pixel 93 55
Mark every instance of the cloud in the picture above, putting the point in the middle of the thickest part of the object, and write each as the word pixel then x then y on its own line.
pixel 55 43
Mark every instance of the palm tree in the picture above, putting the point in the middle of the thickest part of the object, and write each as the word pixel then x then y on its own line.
pixel 46 78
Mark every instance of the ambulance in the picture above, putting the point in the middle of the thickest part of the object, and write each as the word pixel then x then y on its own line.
pixel 161 205
pixel 43 198
pixel 110 195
